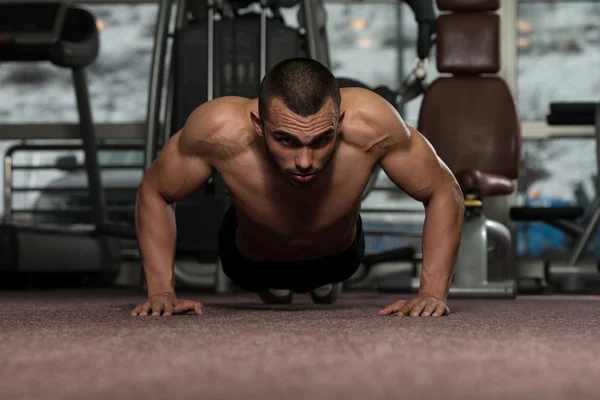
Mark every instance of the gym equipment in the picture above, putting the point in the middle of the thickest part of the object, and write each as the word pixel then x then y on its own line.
pixel 414 84
pixel 572 277
pixel 457 109
pixel 67 37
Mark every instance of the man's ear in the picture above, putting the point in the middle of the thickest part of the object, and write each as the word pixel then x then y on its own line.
pixel 341 117
pixel 257 122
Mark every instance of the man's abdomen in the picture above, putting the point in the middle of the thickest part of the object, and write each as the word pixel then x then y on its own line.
pixel 296 241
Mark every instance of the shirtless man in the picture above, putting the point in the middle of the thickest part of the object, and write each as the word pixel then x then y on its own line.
pixel 295 162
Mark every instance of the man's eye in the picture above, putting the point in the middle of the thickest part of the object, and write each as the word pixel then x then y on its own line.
pixel 323 140
pixel 285 140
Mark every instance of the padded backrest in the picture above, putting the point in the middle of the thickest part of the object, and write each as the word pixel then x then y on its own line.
pixel 471 117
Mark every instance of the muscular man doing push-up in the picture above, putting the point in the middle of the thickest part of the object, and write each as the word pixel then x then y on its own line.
pixel 295 162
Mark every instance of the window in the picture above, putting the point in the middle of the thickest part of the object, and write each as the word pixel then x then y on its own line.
pixel 374 44
pixel 364 42
pixel 558 46
pixel 118 80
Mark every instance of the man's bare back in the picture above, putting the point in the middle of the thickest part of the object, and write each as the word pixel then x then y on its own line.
pixel 295 175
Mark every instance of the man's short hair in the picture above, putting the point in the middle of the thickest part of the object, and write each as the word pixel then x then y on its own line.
pixel 303 84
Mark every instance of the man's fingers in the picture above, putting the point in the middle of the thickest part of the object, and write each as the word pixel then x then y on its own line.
pixel 157 307
pixel 136 310
pixel 145 308
pixel 418 308
pixel 188 305
pixel 441 310
pixel 392 308
pixel 407 307
pixel 420 305
pixel 168 309
pixel 183 306
pixel 429 308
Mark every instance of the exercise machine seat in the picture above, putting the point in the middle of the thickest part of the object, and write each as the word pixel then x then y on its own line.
pixel 470 117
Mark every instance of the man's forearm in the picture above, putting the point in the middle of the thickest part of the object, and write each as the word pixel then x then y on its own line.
pixel 156 233
pixel 444 215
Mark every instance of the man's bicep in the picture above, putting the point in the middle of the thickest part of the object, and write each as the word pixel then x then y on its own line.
pixel 179 170
pixel 414 166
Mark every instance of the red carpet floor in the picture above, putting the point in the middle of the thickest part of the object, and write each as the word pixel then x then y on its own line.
pixel 85 345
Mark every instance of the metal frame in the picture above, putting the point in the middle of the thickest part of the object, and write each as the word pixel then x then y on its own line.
pixel 70 131
pixel 156 82
pixel 9 168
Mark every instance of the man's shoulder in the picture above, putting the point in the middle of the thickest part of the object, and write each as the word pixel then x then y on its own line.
pixel 370 122
pixel 220 126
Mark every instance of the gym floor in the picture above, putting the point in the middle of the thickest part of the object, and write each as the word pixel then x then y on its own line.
pixel 75 344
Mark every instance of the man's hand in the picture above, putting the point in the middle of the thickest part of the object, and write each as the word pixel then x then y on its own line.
pixel 423 305
pixel 167 304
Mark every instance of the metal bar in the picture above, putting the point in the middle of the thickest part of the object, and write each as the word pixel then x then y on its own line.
pixel 133 130
pixel 569 227
pixel 583 240
pixel 597 134
pixel 167 128
pixel 324 35
pixel 69 189
pixel 263 38
pixel 311 29
pixel 8 181
pixel 8 166
pixel 156 81
pixel 210 81
pixel 88 137
pixel 74 167
pixel 55 147
pixel 71 210
pixel 590 210
pixel 400 40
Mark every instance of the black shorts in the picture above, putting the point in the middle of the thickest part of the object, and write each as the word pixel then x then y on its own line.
pixel 298 276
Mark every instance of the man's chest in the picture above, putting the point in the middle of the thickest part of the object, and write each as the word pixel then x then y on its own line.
pixel 268 201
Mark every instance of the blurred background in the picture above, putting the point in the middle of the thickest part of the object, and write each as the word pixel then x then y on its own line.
pixel 550 52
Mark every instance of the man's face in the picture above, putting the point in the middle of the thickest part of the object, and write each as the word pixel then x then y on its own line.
pixel 300 147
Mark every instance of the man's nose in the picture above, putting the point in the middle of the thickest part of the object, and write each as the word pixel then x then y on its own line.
pixel 304 160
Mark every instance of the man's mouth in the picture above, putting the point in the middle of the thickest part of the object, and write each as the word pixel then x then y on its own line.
pixel 303 178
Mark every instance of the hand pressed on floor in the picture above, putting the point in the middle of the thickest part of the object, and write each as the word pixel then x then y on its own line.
pixel 167 304
pixel 424 305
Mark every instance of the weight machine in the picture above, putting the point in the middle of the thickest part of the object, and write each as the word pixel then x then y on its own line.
pixel 479 175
